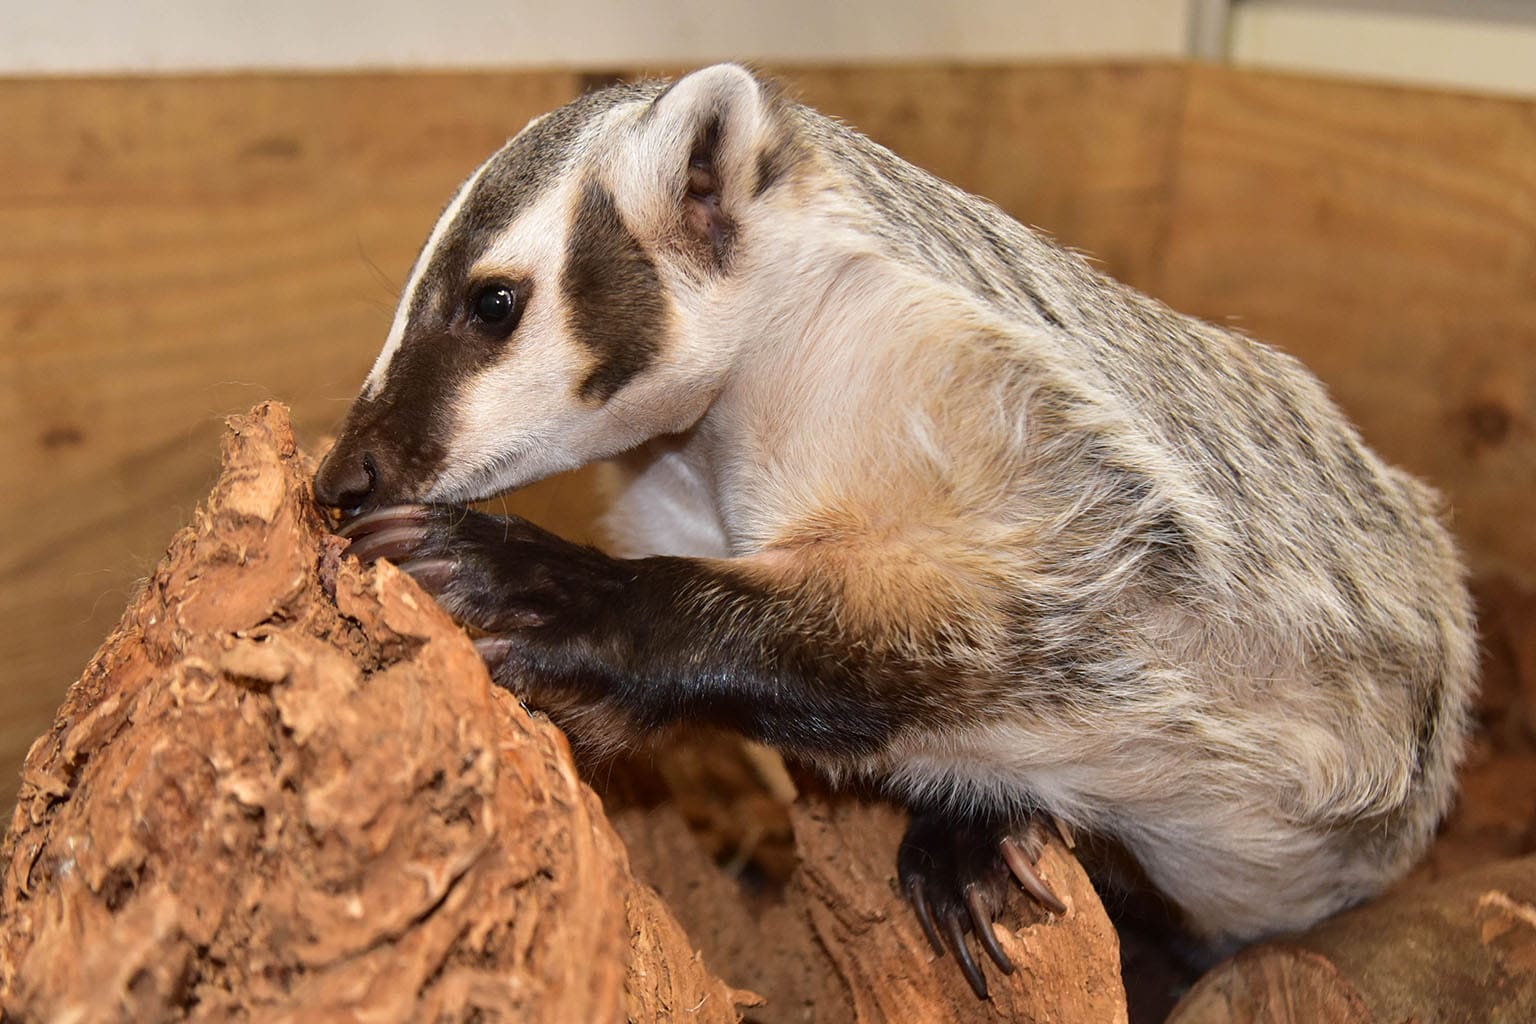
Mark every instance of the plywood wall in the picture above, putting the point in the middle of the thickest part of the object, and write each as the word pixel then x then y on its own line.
pixel 174 250
pixel 1387 237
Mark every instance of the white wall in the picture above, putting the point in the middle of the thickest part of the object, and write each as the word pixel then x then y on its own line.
pixel 1484 45
pixel 1472 44
pixel 163 35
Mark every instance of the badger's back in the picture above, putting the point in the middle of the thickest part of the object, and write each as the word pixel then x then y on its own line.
pixel 1281 617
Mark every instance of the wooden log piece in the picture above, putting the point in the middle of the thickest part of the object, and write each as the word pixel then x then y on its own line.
pixel 285 789
pixel 1459 950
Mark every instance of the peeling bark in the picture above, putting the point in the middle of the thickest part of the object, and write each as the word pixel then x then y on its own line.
pixel 1459 950
pixel 286 790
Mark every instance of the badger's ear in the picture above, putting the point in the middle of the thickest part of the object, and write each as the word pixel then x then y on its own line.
pixel 708 135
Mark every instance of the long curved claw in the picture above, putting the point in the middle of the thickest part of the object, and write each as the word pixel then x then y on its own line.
pixel 395 543
pixel 973 974
pixel 493 650
pixel 1024 870
pixel 390 514
pixel 919 899
pixel 957 872
pixel 434 574
pixel 1065 831
pixel 981 921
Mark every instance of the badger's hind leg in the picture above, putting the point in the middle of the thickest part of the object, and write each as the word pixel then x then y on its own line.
pixel 957 869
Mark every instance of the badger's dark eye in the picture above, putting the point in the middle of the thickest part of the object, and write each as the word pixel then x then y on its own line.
pixel 495 305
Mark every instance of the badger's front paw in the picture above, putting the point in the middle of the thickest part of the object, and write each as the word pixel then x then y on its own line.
pixel 500 574
pixel 955 870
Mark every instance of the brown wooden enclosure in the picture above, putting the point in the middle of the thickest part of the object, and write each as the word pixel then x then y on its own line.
pixel 174 249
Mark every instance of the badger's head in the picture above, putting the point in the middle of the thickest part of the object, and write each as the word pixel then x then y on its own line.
pixel 560 311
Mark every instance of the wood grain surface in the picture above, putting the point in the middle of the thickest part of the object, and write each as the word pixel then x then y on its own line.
pixel 1387 238
pixel 173 250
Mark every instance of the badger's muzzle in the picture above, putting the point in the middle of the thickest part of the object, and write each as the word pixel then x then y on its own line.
pixel 387 454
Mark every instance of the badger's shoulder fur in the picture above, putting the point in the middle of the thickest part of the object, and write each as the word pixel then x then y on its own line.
pixel 1076 552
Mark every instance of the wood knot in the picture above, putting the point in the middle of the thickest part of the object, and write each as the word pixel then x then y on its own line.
pixel 66 436
pixel 1488 423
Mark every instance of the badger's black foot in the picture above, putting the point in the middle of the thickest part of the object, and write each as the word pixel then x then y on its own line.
pixel 957 871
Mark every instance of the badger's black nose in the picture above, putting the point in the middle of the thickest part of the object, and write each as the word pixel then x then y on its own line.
pixel 346 479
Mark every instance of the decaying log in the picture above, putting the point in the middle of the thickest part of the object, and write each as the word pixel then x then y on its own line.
pixel 285 787
pixel 285 790
pixel 1459 950
pixel 842 945
pixel 1067 969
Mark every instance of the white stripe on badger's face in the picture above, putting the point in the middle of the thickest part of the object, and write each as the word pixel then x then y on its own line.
pixel 396 335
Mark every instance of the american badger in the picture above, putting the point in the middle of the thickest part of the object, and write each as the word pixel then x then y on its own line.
pixel 912 493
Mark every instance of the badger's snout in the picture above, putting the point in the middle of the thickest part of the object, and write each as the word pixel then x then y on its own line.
pixel 388 453
pixel 348 479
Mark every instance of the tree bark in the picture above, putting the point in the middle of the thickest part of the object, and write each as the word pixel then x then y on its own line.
pixel 1459 950
pixel 286 790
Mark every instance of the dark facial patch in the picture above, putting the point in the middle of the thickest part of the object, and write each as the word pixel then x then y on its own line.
pixel 400 431
pixel 512 180
pixel 407 426
pixel 616 305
